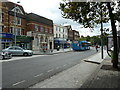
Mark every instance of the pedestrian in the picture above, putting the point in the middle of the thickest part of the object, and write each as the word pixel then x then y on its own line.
pixel 96 48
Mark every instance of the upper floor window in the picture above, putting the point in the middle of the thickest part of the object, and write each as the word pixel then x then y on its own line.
pixel 46 30
pixel 55 28
pixel 18 20
pixel 50 30
pixel 0 17
pixel 41 29
pixel 56 35
pixel 11 30
pixel 36 27
pixel 18 31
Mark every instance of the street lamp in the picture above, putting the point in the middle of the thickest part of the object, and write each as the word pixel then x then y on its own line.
pixel 15 23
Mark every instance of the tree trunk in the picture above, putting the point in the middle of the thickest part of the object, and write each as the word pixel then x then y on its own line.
pixel 114 32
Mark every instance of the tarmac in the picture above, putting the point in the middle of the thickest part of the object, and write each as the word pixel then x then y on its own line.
pixel 92 72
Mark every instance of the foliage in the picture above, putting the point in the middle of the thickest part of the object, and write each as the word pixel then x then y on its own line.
pixel 87 13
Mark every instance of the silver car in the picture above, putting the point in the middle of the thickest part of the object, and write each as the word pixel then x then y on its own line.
pixel 15 50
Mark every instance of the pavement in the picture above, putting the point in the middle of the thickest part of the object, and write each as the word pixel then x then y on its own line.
pixel 105 77
pixel 82 74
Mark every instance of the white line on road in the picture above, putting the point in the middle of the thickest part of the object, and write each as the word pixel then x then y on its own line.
pixel 64 65
pixel 50 70
pixel 57 67
pixel 38 75
pixel 18 83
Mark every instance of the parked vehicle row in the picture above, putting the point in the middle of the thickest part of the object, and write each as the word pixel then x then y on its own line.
pixel 14 50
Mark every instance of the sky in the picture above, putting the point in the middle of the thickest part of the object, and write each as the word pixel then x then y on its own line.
pixel 50 9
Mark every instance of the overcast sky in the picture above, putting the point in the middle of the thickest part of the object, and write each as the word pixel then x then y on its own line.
pixel 50 10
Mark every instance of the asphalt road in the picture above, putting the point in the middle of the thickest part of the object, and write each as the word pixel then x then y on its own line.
pixel 25 72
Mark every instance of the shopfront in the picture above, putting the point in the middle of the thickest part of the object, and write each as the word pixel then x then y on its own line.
pixel 24 42
pixel 6 40
pixel 60 43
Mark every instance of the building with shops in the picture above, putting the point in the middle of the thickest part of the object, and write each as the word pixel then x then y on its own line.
pixel 14 24
pixel 41 29
pixel 60 36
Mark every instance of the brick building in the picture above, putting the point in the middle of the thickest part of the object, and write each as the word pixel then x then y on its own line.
pixel 41 29
pixel 14 24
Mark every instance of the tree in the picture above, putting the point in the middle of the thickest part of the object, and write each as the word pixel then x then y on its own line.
pixel 89 14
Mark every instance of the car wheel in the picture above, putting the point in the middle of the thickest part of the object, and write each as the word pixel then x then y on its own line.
pixel 25 54
pixel 1 57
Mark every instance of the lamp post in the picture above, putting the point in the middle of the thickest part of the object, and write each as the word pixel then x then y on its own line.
pixel 15 23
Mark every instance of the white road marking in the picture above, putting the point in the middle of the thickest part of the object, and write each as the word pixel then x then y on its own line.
pixel 57 67
pixel 64 65
pixel 18 83
pixel 50 70
pixel 38 75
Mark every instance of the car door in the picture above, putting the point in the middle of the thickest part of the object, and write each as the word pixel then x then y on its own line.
pixel 12 50
pixel 19 51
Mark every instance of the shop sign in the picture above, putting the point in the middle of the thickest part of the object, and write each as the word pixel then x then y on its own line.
pixel 6 41
pixel 6 35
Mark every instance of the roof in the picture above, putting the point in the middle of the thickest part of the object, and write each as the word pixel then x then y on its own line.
pixel 39 19
pixel 11 6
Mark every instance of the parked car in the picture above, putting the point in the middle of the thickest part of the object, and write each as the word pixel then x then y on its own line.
pixel 5 55
pixel 15 50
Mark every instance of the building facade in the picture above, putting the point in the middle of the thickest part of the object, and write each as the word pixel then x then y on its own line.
pixel 76 35
pixel 41 29
pixel 14 25
pixel 60 36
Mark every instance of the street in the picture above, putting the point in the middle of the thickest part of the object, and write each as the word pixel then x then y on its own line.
pixel 26 72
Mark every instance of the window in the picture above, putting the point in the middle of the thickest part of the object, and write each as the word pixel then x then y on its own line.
pixel 11 48
pixel 0 28
pixel 56 28
pixel 46 30
pixel 41 29
pixel 18 31
pixel 36 27
pixel 18 20
pixel 50 30
pixel 56 35
pixel 0 17
pixel 11 29
pixel 59 35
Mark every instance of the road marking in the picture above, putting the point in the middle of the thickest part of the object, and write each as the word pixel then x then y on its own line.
pixel 38 75
pixel 50 70
pixel 64 65
pixel 18 83
pixel 57 67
